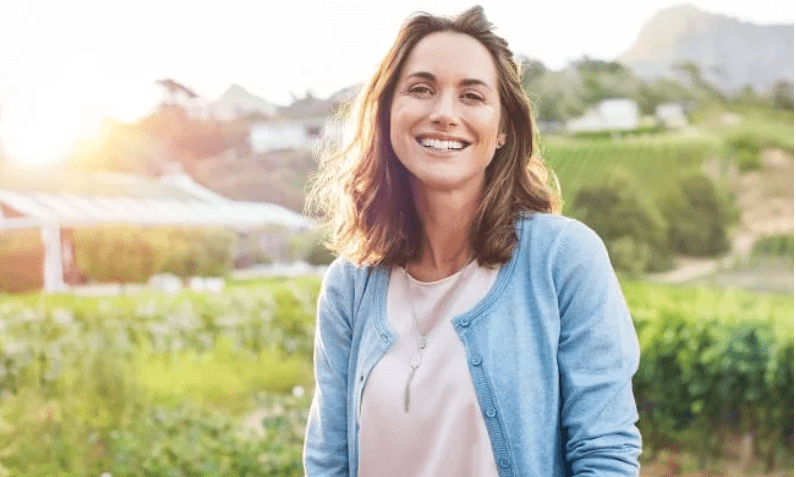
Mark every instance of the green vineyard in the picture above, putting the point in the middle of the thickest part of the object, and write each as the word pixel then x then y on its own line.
pixel 656 162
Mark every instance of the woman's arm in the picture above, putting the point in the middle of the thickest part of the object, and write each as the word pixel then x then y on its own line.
pixel 325 446
pixel 598 354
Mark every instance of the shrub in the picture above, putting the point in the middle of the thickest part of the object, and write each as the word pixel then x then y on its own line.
pixel 633 229
pixel 309 247
pixel 745 148
pixel 698 217
pixel 129 254
pixel 319 255
pixel 774 246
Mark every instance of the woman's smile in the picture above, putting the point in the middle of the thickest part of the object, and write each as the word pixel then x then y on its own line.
pixel 441 143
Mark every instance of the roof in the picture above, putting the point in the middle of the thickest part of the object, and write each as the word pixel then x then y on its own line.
pixel 137 200
pixel 104 184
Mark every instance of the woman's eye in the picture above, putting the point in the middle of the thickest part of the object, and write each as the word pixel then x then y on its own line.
pixel 420 90
pixel 473 97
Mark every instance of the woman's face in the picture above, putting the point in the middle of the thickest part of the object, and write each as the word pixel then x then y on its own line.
pixel 445 113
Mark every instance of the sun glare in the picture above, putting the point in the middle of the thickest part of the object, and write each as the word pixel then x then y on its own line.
pixel 41 127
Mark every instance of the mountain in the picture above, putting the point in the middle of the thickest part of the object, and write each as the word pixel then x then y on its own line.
pixel 730 53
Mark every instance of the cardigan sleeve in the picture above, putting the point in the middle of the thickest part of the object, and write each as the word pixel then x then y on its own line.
pixel 598 353
pixel 325 444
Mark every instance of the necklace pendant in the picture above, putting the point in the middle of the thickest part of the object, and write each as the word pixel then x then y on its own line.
pixel 422 342
pixel 417 358
pixel 406 390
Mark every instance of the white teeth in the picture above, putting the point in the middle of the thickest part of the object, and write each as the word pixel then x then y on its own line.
pixel 442 145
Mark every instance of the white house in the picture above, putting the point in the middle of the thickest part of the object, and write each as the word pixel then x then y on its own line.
pixel 302 125
pixel 608 115
pixel 671 115
pixel 292 134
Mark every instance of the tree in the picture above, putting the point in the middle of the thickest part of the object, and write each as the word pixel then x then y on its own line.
pixel 694 73
pixel 698 217
pixel 633 229
pixel 531 69
pixel 747 95
pixel 691 70
pixel 782 95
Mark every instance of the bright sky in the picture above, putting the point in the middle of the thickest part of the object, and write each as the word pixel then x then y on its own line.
pixel 66 65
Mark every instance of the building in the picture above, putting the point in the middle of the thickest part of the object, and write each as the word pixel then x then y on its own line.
pixel 57 204
pixel 608 115
pixel 302 125
pixel 672 115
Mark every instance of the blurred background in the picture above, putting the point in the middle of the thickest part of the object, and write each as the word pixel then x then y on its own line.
pixel 158 274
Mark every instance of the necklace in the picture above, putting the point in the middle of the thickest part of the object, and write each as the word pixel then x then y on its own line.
pixel 417 357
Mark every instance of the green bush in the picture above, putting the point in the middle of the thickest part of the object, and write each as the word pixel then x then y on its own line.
pixel 774 246
pixel 699 217
pixel 186 441
pixel 745 147
pixel 713 364
pixel 748 161
pixel 129 254
pixel 633 229
pixel 153 384
pixel 308 246
pixel 319 255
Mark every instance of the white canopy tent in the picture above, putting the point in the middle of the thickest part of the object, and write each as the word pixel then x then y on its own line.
pixel 50 212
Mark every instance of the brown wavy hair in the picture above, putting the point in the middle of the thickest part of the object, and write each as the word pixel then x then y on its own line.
pixel 362 189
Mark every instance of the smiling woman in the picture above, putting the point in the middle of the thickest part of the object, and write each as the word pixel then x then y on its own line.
pixel 465 328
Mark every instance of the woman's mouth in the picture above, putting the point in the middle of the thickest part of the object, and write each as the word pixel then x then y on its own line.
pixel 442 145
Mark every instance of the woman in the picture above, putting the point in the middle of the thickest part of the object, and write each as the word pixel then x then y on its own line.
pixel 465 330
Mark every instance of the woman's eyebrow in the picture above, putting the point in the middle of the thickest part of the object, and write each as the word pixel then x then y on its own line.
pixel 465 82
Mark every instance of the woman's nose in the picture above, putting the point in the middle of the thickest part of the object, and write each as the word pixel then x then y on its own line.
pixel 444 112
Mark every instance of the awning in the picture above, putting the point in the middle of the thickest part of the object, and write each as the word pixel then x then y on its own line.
pixel 73 211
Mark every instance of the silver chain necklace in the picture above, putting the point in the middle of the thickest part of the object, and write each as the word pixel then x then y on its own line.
pixel 417 357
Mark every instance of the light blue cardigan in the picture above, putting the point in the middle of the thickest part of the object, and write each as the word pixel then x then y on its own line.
pixel 551 350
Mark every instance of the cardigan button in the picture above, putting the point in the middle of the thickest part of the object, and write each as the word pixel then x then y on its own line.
pixel 504 462
pixel 491 412
pixel 475 361
pixel 465 323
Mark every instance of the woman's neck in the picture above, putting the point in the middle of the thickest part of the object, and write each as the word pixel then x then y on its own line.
pixel 447 218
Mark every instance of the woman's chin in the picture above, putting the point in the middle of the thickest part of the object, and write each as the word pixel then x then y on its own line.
pixel 448 182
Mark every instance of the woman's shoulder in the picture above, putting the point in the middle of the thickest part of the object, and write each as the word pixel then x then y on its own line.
pixel 547 227
pixel 562 239
pixel 345 276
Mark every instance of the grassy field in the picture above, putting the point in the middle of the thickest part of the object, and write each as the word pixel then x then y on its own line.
pixel 220 384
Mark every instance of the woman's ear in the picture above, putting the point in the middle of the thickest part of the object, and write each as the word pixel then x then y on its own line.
pixel 501 140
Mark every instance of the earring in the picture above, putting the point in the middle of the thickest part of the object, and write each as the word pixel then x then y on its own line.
pixel 500 143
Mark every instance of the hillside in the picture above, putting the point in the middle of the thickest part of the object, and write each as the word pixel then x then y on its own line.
pixel 730 53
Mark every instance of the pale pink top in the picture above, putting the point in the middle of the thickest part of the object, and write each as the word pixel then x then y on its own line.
pixel 443 434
